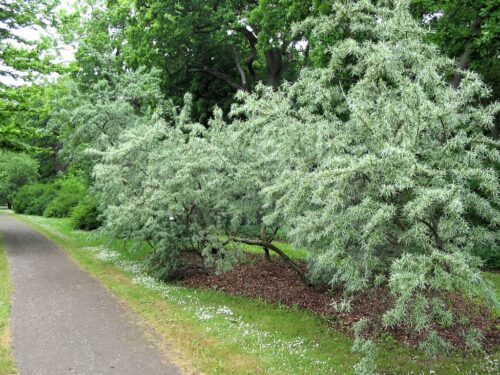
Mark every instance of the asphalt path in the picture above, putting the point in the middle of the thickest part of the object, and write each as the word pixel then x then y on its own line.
pixel 63 321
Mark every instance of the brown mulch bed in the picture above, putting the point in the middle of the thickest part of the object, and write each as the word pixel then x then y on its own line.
pixel 273 281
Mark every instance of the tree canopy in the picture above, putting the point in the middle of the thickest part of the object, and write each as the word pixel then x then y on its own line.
pixel 22 59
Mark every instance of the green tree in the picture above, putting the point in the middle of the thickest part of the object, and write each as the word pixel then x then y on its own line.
pixel 467 31
pixel 19 54
pixel 210 49
pixel 16 170
pixel 95 116
pixel 22 59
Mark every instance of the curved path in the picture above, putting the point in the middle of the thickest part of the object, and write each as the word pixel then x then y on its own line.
pixel 63 321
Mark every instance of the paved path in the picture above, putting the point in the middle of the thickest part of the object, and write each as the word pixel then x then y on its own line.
pixel 65 322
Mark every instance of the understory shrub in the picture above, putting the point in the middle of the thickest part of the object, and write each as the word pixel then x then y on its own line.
pixel 34 199
pixel 16 171
pixel 85 215
pixel 490 255
pixel 70 192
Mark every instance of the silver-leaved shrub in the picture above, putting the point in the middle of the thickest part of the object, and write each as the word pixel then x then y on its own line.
pixel 386 175
pixel 373 163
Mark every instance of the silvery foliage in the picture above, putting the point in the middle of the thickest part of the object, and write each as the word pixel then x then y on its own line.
pixel 383 170
pixel 367 347
pixel 373 163
pixel 95 116
pixel 159 184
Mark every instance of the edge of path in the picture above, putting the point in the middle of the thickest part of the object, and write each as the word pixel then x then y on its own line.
pixel 7 364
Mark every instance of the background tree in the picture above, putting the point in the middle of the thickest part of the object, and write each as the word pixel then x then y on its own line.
pixel 468 32
pixel 22 58
pixel 16 170
pixel 210 49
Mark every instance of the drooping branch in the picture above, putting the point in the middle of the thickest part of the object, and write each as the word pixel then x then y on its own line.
pixel 277 250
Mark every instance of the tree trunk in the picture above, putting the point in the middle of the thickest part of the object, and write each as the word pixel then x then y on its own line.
pixel 463 63
pixel 277 250
pixel 496 129
pixel 274 62
pixel 267 255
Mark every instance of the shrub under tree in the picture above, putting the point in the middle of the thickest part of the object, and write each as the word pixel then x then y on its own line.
pixel 16 170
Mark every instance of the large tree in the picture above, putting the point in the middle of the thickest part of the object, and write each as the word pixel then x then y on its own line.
pixel 22 58
pixel 385 170
pixel 209 48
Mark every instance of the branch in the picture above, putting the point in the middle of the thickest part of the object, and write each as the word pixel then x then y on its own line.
pixel 252 40
pixel 277 250
pixel 434 230
pixel 243 76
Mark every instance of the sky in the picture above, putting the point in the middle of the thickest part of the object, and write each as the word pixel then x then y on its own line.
pixel 66 52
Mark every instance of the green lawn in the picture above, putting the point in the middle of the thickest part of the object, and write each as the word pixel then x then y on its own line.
pixel 7 366
pixel 222 334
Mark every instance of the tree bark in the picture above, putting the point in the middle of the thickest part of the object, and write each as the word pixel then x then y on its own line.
pixel 463 63
pixel 496 129
pixel 243 75
pixel 267 255
pixel 252 40
pixel 274 62
pixel 464 59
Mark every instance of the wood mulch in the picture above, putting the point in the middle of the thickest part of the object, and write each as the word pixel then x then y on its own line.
pixel 273 281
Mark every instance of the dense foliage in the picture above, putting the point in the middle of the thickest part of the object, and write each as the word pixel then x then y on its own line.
pixel 340 125
pixel 86 215
pixel 33 199
pixel 16 170
pixel 70 192
pixel 23 59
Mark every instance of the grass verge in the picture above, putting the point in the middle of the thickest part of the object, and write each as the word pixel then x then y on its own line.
pixel 222 334
pixel 7 366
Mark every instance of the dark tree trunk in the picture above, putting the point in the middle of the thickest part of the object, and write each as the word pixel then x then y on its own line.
pixel 465 58
pixel 275 66
pixel 267 255
pixel 277 250
pixel 463 63
pixel 496 129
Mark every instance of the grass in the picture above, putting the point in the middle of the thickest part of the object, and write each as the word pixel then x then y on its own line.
pixel 222 334
pixel 7 366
